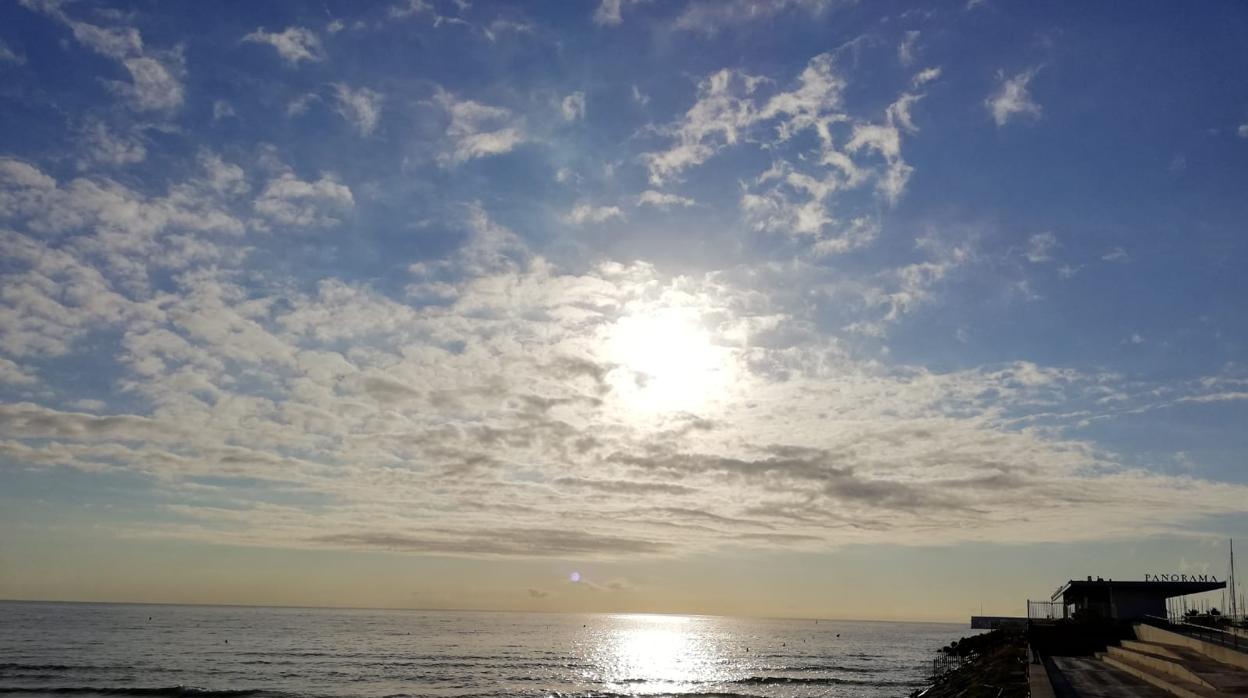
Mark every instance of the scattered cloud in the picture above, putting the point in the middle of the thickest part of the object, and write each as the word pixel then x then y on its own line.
pixel 107 147
pixel 585 213
pixel 477 130
pixel 1040 247
pixel 906 49
pixel 8 55
pixel 301 104
pixel 290 201
pixel 711 16
pixel 1243 130
pixel 609 13
pixel 663 200
pixel 1013 98
pixel 1116 254
pixel 221 109
pixel 294 44
pixel 360 107
pixel 640 97
pixel 573 107
pixel 155 76
pixel 925 76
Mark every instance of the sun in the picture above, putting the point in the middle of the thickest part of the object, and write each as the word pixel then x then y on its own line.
pixel 666 361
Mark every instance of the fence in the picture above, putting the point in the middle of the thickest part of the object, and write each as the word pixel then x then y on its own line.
pixel 1046 610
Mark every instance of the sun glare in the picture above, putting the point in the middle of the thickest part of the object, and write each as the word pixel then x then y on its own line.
pixel 666 362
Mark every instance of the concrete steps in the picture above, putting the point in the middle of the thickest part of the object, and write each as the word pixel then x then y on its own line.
pixel 1181 669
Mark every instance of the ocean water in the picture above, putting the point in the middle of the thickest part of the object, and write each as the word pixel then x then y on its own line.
pixel 221 651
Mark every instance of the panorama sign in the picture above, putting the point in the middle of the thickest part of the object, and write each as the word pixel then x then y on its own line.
pixel 1180 578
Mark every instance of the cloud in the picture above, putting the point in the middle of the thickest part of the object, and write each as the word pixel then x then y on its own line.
pixel 721 112
pixel 573 107
pixel 294 44
pixel 925 76
pixel 796 196
pixel 222 109
pixel 1243 131
pixel 608 13
pixel 477 130
pixel 410 8
pixel 105 146
pixel 710 16
pixel 288 200
pixel 360 107
pixel 1013 99
pixel 8 55
pixel 155 76
pixel 1040 247
pixel 640 97
pixel 13 374
pixel 905 50
pixel 585 213
pixel 538 594
pixel 1116 254
pixel 499 404
pixel 663 200
pixel 301 104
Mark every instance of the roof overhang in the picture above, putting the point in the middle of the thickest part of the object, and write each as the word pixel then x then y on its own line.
pixel 1167 589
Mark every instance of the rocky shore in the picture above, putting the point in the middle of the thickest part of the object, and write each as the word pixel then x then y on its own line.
pixel 993 665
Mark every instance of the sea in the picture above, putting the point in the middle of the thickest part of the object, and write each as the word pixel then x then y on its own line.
pixel 80 649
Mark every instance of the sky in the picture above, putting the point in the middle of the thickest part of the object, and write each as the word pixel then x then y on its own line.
pixel 808 308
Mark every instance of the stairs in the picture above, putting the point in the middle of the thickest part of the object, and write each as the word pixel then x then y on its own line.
pixel 1180 665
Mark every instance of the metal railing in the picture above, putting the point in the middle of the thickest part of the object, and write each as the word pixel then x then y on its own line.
pixel 1224 637
pixel 1046 610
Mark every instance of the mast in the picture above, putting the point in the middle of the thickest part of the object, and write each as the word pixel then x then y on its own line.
pixel 1234 606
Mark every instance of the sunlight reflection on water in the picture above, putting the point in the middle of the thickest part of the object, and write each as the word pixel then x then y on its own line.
pixel 657 654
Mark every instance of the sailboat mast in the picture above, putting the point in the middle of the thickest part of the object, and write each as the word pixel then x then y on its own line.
pixel 1234 606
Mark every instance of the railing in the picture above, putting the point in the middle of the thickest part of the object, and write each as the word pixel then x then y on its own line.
pixel 946 663
pixel 1218 636
pixel 1046 610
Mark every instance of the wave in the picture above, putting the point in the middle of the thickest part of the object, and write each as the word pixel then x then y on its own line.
pixel 819 680
pixel 161 691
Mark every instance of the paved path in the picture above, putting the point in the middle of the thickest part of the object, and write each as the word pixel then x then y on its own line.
pixel 1092 678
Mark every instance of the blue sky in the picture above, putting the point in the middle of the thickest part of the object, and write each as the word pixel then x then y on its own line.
pixel 642 285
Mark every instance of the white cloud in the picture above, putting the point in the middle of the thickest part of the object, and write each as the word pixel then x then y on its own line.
pixel 288 200
pixel 155 76
pixel 722 110
pixel 1040 247
pixel 608 13
pixel 1116 254
pixel 905 50
pixel 1013 99
pixel 7 55
pixel 1243 131
pixel 711 16
pixel 13 374
pixel 573 107
pixel 477 130
pixel 585 213
pixel 360 107
pixel 409 8
pixel 105 146
pixel 294 44
pixel 222 109
pixel 662 200
pixel 640 97
pixel 925 76
pixel 301 104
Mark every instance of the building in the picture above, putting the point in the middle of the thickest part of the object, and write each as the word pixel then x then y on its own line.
pixel 1131 600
